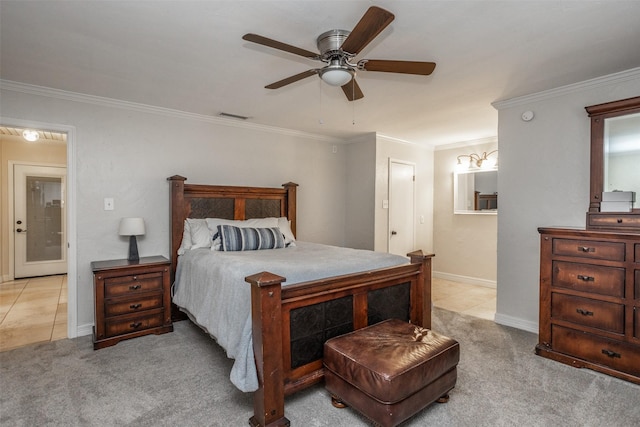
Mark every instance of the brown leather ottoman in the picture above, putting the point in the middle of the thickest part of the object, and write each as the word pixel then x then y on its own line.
pixel 391 370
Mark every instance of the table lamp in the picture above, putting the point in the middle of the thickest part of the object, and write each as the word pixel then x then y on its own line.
pixel 132 227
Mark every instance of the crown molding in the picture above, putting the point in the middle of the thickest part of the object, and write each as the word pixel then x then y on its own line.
pixel 609 79
pixel 469 143
pixel 145 108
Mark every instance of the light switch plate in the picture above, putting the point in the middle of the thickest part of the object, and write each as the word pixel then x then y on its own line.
pixel 108 204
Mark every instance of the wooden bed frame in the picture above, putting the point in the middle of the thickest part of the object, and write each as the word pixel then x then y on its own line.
pixel 365 295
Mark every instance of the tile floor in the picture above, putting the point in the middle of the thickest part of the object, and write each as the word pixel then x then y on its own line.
pixel 33 310
pixel 473 300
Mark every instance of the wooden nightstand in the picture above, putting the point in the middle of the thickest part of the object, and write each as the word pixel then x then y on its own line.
pixel 132 299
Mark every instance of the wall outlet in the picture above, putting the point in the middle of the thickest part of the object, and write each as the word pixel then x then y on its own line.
pixel 108 204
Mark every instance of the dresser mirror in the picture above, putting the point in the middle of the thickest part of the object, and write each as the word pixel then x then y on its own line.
pixel 475 192
pixel 615 154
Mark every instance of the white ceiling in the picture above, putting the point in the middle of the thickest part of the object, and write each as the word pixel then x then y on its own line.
pixel 190 56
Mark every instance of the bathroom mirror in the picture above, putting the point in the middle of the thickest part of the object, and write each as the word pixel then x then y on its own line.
pixel 475 192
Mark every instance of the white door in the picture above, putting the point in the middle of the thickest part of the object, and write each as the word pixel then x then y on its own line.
pixel 39 218
pixel 401 207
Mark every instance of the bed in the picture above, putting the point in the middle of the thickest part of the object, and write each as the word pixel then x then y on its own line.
pixel 289 322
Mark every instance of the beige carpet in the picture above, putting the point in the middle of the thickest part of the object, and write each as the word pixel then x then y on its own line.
pixel 181 378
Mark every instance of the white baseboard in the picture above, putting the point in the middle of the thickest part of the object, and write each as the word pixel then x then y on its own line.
pixel 516 322
pixel 465 279
pixel 84 330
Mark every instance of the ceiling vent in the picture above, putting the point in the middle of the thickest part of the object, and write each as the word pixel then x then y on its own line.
pixel 232 116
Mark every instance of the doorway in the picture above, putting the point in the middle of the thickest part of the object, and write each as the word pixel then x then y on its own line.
pixel 55 147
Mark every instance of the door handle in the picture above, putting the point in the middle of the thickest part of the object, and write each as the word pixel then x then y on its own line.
pixel 20 230
pixel 393 233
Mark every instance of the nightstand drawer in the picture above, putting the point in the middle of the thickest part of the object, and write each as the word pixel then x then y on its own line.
pixel 118 307
pixel 589 278
pixel 606 316
pixel 132 284
pixel 126 324
pixel 592 348
pixel 592 249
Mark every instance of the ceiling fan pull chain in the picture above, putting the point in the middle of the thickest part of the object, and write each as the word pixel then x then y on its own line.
pixel 320 120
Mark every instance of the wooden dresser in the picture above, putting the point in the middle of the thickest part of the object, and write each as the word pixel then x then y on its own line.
pixel 590 300
pixel 132 299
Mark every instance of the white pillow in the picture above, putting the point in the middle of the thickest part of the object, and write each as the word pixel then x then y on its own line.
pixel 213 224
pixel 201 236
pixel 285 226
pixel 186 244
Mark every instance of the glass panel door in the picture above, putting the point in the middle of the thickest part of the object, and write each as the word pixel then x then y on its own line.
pixel 39 215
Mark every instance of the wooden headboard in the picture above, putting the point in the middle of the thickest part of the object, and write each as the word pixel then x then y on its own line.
pixel 229 202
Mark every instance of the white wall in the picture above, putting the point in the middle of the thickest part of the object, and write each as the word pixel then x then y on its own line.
pixel 126 152
pixel 465 244
pixel 544 181
pixel 361 176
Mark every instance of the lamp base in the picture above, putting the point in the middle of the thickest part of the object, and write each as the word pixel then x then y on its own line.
pixel 133 249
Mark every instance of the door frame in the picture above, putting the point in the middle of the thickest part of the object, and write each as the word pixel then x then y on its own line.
pixel 389 191
pixel 72 268
pixel 11 196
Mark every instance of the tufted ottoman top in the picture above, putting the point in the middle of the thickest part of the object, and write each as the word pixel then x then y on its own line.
pixel 391 360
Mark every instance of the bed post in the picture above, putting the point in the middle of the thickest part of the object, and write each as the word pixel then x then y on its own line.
pixel 423 298
pixel 266 314
pixel 176 217
pixel 291 213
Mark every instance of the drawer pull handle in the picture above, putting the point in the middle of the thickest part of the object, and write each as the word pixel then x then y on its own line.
pixel 586 278
pixel 136 325
pixel 586 249
pixel 584 312
pixel 135 306
pixel 611 353
pixel 619 220
pixel 135 287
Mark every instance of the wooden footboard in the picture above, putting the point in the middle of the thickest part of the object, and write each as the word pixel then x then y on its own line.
pixel 291 324
pixel 273 308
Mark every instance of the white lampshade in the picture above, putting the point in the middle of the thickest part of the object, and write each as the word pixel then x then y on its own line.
pixel 131 227
pixel 336 76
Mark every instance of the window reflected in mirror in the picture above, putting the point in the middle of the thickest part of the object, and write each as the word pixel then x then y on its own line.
pixel 475 192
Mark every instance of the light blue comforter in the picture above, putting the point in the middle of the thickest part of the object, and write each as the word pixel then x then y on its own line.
pixel 210 287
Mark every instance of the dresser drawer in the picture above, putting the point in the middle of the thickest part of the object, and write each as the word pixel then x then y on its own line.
pixel 592 249
pixel 125 324
pixel 592 348
pixel 132 284
pixel 589 312
pixel 118 307
pixel 637 285
pixel 619 221
pixel 589 278
pixel 636 322
pixel 637 252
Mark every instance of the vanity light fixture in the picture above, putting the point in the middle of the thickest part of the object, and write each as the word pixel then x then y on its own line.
pixel 30 135
pixel 483 161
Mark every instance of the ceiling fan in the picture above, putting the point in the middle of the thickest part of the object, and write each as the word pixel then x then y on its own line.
pixel 338 48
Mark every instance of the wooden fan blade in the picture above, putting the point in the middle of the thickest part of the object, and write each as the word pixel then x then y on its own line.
pixel 352 90
pixel 291 79
pixel 404 67
pixel 371 24
pixel 254 38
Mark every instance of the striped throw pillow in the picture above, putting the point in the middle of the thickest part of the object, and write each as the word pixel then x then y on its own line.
pixel 249 239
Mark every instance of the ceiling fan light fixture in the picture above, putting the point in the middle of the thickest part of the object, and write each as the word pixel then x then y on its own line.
pixel 336 76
